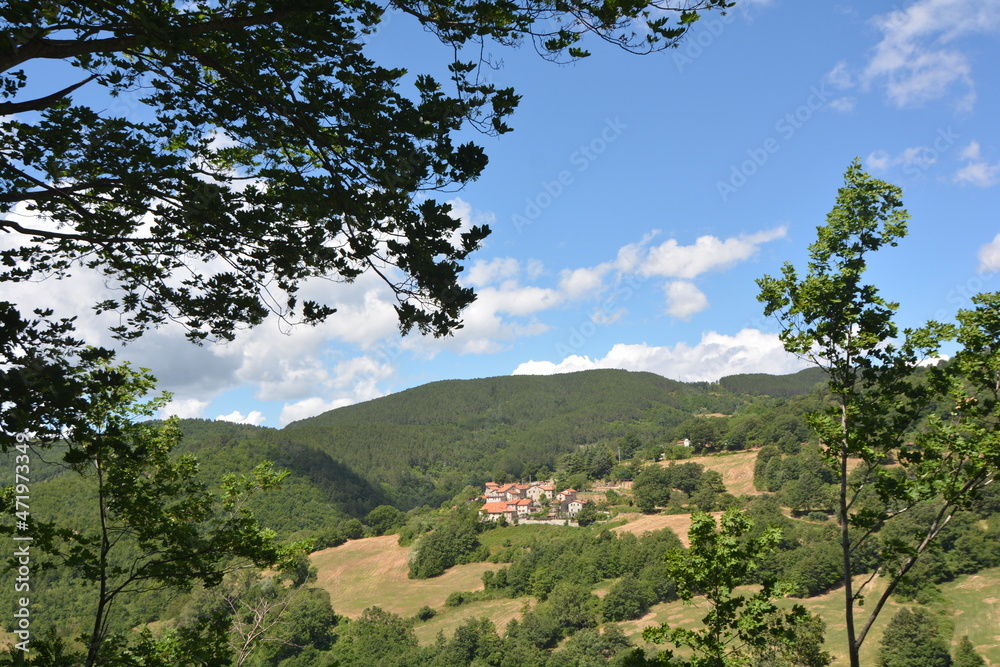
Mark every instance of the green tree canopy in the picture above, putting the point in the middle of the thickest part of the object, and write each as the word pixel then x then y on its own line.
pixel 241 147
pixel 845 327
pixel 912 639
pixel 966 656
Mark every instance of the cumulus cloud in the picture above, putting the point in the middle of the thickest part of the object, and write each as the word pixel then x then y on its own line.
pixel 580 283
pixel 715 356
pixel 483 273
pixel 989 256
pixel 708 253
pixel 185 408
pixel 255 418
pixel 684 299
pixel 977 171
pixel 917 59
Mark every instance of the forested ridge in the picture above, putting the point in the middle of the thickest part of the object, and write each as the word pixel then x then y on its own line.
pixel 462 432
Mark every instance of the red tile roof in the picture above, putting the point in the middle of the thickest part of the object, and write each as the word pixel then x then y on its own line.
pixel 494 508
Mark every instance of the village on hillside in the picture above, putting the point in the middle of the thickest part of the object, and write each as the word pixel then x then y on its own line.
pixel 536 500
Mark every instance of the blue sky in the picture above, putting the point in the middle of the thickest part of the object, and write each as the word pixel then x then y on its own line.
pixel 638 199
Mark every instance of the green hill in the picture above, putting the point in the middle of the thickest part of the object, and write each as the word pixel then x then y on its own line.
pixel 762 384
pixel 461 432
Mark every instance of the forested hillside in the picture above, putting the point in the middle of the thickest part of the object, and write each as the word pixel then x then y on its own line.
pixel 462 432
pixel 762 384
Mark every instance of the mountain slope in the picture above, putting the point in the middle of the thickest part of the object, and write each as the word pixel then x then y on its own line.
pixel 463 431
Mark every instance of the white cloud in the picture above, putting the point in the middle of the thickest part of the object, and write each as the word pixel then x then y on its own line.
pixel 185 408
pixel 462 211
pixel 917 59
pixel 708 253
pixel 684 299
pixel 843 104
pixel 579 283
pixel 840 76
pixel 351 381
pixel 989 256
pixel 715 356
pixel 977 171
pixel 919 157
pixel 483 273
pixel 255 418
pixel 309 407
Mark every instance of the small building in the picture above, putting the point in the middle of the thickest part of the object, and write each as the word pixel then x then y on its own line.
pixel 524 506
pixel 537 490
pixel 494 511
pixel 565 495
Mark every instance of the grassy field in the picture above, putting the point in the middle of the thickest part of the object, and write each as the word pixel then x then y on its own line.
pixel 642 523
pixel 372 572
pixel 362 573
pixel 975 601
pixel 736 469
pixel 973 608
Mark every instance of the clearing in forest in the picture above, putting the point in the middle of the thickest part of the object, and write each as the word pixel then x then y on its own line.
pixel 736 469
pixel 372 572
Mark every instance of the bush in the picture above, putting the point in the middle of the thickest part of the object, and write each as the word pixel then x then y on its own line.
pixel 817 516
pixel 353 529
pixel 425 613
pixel 456 599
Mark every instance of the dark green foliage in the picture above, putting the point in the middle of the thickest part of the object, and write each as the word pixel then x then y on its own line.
pixel 572 606
pixel 425 613
pixel 774 385
pixel 377 638
pixel 587 516
pixel 457 599
pixel 966 656
pixel 384 518
pixel 352 529
pixel 448 544
pixel 628 599
pixel 816 568
pixel 591 648
pixel 585 558
pixel 653 484
pixel 912 639
pixel 736 627
pixel 475 642
pixel 593 462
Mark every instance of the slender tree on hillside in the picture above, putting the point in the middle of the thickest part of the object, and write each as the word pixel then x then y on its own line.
pixel 154 524
pixel 830 317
